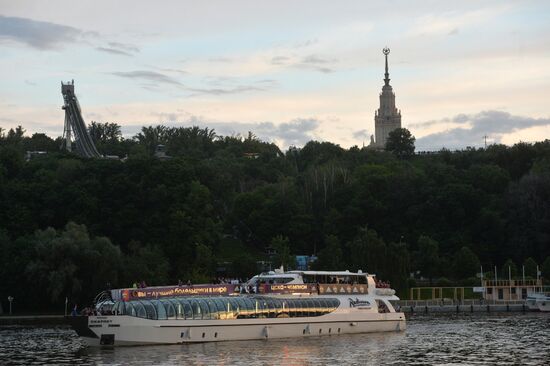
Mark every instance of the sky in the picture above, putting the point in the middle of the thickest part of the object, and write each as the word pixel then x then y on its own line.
pixel 289 71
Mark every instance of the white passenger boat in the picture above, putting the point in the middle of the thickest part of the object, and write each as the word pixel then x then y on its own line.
pixel 538 301
pixel 270 305
pixel 543 302
pixel 531 300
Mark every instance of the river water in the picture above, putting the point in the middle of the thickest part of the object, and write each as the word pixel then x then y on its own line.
pixel 463 339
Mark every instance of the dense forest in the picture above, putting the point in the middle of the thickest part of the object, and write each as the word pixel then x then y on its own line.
pixel 220 205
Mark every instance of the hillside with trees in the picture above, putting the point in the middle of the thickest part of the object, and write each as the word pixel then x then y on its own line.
pixel 71 226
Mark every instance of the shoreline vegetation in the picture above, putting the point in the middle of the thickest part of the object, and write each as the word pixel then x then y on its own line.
pixel 220 205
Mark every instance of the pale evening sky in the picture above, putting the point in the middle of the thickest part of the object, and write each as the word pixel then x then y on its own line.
pixel 289 71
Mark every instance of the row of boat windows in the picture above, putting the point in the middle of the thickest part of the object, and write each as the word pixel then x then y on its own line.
pixel 225 307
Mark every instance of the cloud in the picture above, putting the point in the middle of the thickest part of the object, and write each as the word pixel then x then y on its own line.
pixel 147 76
pixel 361 134
pixel 312 62
pixel 316 60
pixel 124 46
pixel 223 85
pixel 117 48
pixel 296 132
pixel 177 71
pixel 221 59
pixel 113 51
pixel 38 34
pixel 221 91
pixel 306 43
pixel 217 86
pixel 472 129
pixel 453 32
pixel 280 60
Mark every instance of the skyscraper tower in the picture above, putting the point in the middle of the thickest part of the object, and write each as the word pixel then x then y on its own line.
pixel 387 118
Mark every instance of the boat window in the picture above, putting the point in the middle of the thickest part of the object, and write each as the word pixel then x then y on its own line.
pixel 205 310
pixel 303 307
pixel 298 306
pixel 130 310
pixel 223 307
pixel 258 308
pixel 118 308
pixel 270 308
pixel 232 307
pixel 169 308
pixel 382 307
pixel 250 307
pixel 323 305
pixel 312 307
pixel 159 308
pixel 187 309
pixel 283 280
pixel 197 311
pixel 178 308
pixel 318 308
pixel 140 310
pixel 150 309
pixel 291 306
pixel 235 307
pixel 213 308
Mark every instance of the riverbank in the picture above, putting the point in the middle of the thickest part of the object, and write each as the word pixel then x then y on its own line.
pixel 464 306
pixel 31 319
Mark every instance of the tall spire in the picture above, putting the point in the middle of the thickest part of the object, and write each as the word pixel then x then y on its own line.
pixel 386 51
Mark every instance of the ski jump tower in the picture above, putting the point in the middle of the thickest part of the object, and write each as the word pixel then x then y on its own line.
pixel 75 127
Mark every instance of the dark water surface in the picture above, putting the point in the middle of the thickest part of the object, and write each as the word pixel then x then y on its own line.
pixel 505 339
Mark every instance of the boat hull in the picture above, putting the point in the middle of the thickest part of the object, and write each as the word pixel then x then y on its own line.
pixel 127 331
pixel 544 304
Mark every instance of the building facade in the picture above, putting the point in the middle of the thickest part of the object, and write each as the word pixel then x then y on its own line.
pixel 387 118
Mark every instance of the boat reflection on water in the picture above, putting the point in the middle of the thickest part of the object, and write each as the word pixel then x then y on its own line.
pixel 316 350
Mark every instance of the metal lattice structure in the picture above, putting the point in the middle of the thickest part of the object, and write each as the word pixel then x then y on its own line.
pixel 75 127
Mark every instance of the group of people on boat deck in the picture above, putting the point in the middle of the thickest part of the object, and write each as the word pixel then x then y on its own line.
pixel 139 284
pixel 382 284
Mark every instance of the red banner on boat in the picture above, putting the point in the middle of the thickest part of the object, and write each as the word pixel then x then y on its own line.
pixel 156 292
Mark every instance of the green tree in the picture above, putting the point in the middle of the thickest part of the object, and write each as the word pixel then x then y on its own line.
pixel 243 266
pixel 145 263
pixel 397 266
pixel 546 268
pixel 368 252
pixel 400 142
pixel 509 268
pixel 330 258
pixel 466 264
pixel 283 257
pixel 203 266
pixel 428 256
pixel 70 263
pixel 530 267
